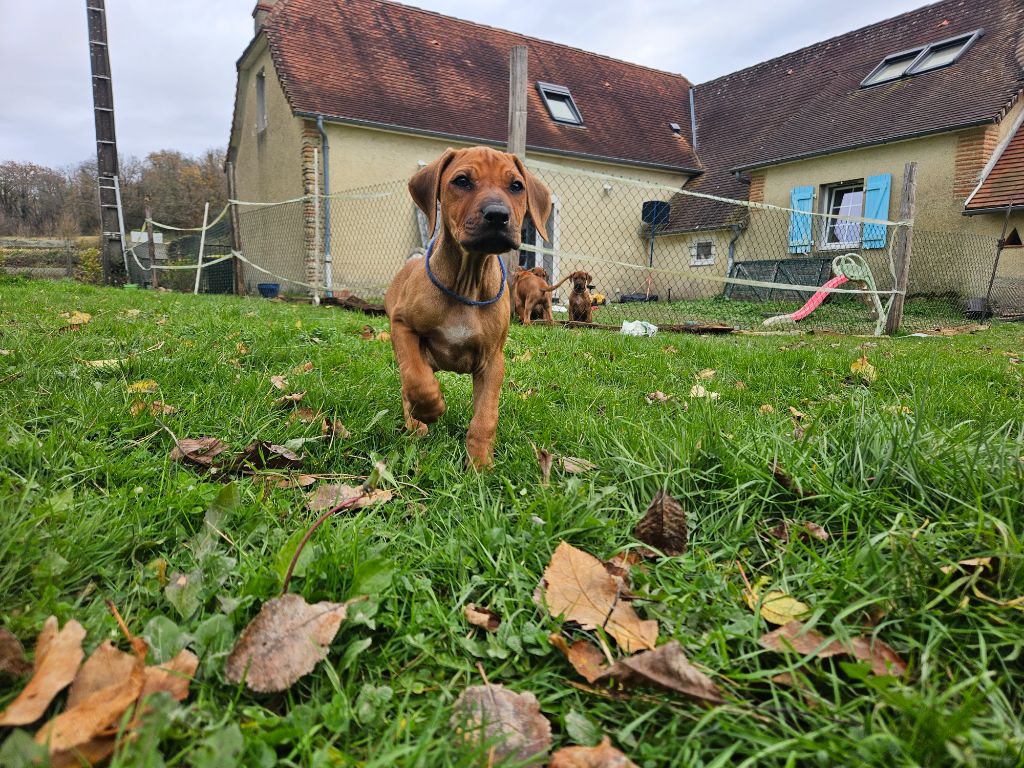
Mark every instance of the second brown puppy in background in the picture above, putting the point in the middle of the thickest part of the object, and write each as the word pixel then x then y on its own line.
pixel 531 295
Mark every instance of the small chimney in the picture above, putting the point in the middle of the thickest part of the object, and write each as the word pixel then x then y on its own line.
pixel 260 12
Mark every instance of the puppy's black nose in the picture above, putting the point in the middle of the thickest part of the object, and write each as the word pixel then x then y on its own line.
pixel 496 214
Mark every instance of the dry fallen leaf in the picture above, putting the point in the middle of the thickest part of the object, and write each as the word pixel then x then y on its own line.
pixel 285 641
pixel 294 397
pixel 111 363
pixel 106 666
pixel 172 677
pixel 201 450
pixel 58 654
pixel 76 319
pixel 544 459
pixel 383 336
pixel 795 636
pixel 295 481
pixel 815 531
pixel 604 755
pixel 968 565
pixel 865 370
pixel 335 428
pixel 706 375
pixel 787 482
pixel 366 333
pixel 767 408
pixel 664 667
pixel 578 588
pixel 657 397
pixel 97 712
pixel 697 391
pixel 511 722
pixel 12 655
pixel 144 387
pixel 327 496
pixel 279 382
pixel 740 385
pixel 575 466
pixel 585 658
pixel 484 618
pixel 264 455
pixel 798 415
pixel 305 415
pixel 156 408
pixel 776 607
pixel 299 370
pixel 663 526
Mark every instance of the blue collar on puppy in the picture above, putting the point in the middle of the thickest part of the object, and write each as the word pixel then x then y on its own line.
pixel 458 297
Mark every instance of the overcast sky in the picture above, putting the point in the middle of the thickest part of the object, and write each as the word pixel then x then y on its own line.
pixel 174 60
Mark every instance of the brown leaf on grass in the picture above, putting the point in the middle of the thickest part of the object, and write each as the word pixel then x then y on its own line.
pixel 784 479
pixel 58 655
pixel 544 459
pixel 383 336
pixel 331 495
pixel 604 755
pixel 299 370
pixel 864 370
pixel 585 657
pixel 100 710
pixel 12 655
pixel 279 382
pixel 663 525
pixel 619 567
pixel 798 415
pixel 295 481
pixel 578 587
pixel 971 564
pixel 106 666
pixel 75 320
pixel 305 414
pixel 740 385
pixel 201 451
pixel 264 455
pixel 767 408
pixel 294 397
pixel 334 428
pixel 814 531
pixel 156 408
pixel 285 641
pixel 510 723
pixel 366 333
pixel 172 677
pixel 706 375
pixel 576 466
pixel 484 618
pixel 657 397
pixel 775 607
pixel 664 667
pixel 796 636
pixel 144 387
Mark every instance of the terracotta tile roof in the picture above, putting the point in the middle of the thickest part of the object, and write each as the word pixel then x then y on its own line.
pixel 387 64
pixel 1003 185
pixel 810 102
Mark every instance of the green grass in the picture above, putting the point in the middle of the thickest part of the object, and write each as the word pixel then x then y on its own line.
pixel 92 509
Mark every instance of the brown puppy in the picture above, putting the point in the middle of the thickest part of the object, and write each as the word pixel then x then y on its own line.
pixel 443 311
pixel 531 295
pixel 581 308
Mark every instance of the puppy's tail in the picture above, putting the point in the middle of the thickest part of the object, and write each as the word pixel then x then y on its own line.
pixel 554 287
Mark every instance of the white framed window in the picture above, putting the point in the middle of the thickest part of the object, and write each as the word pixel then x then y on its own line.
pixel 560 104
pixel 923 59
pixel 843 202
pixel 702 253
pixel 261 101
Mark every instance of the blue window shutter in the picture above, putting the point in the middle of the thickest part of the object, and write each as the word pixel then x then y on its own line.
pixel 876 206
pixel 801 200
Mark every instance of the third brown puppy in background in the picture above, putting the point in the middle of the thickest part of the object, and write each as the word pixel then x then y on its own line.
pixel 580 305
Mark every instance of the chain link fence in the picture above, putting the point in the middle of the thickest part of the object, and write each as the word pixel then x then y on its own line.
pixel 653 252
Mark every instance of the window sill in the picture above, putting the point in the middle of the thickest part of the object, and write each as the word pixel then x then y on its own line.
pixel 702 262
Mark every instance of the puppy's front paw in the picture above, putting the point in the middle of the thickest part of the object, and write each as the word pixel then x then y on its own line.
pixel 418 428
pixel 480 457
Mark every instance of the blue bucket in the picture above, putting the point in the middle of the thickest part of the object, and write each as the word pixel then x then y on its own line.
pixel 268 290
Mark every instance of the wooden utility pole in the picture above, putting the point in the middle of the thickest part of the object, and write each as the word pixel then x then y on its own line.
pixel 115 268
pixel 517 61
pixel 154 281
pixel 236 229
pixel 903 247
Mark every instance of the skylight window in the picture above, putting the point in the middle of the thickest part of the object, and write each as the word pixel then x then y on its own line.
pixel 560 105
pixel 918 60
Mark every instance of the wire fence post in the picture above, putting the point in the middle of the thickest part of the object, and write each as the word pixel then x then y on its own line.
pixel 153 271
pixel 202 245
pixel 320 257
pixel 236 230
pixel 904 243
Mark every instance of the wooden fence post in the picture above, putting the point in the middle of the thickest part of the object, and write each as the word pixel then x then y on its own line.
pixel 236 230
pixel 154 280
pixel 903 247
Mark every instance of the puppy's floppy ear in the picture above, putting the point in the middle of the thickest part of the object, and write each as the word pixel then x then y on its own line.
pixel 538 200
pixel 425 186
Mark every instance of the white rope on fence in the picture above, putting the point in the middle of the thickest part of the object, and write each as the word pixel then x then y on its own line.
pixel 242 258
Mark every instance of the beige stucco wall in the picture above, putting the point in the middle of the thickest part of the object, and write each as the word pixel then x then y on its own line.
pixel 374 225
pixel 268 169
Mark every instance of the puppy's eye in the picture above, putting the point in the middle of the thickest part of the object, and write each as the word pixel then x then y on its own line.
pixel 516 186
pixel 462 180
